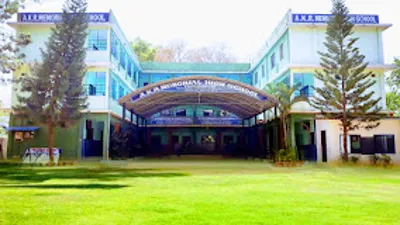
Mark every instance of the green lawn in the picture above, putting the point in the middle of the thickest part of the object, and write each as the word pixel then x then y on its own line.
pixel 198 192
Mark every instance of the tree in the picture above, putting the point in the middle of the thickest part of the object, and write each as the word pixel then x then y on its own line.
pixel 54 94
pixel 174 51
pixel 144 50
pixel 10 57
pixel 178 51
pixel 345 94
pixel 394 78
pixel 216 53
pixel 393 102
pixel 285 96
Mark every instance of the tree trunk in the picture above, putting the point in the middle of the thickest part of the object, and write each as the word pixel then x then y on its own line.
pixel 51 142
pixel 284 126
pixel 345 153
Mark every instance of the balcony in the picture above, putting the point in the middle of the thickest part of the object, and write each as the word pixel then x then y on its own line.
pixel 194 120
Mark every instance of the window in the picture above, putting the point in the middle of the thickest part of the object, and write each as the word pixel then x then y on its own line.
pixel 97 40
pixel 281 51
pixel 272 61
pixel 129 70
pixel 122 59
pixel 263 71
pixel 121 91
pixel 224 113
pixel 355 144
pixel 256 78
pixel 384 144
pixel 181 112
pixel 114 45
pixel 114 90
pixel 208 112
pixel 305 82
pixel 95 83
pixel 166 112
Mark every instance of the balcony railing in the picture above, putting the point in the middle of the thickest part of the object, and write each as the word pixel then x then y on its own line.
pixel 186 120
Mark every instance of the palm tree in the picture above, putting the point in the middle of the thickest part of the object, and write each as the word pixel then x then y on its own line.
pixel 285 95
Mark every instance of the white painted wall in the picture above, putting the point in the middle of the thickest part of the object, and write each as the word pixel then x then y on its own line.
pixel 333 132
pixel 306 41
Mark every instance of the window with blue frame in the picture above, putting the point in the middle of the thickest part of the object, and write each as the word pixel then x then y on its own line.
pixel 97 40
pixel 114 90
pixel 273 61
pixel 95 83
pixel 129 70
pixel 305 82
pixel 121 91
pixel 114 45
pixel 122 59
pixel 281 56
pixel 256 78
pixel 263 71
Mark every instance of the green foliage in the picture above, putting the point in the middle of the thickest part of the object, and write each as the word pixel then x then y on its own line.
pixel 393 102
pixel 386 160
pixel 374 159
pixel 53 95
pixel 354 159
pixel 284 94
pixel 345 94
pixel 144 50
pixel 10 57
pixel 394 78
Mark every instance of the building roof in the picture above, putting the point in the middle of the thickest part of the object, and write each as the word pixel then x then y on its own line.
pixel 196 67
pixel 241 99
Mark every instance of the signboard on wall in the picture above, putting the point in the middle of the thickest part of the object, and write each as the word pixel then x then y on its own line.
pixel 40 155
pixel 196 120
pixel 57 17
pixel 201 86
pixel 324 18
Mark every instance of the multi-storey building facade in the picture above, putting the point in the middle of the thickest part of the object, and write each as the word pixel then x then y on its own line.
pixel 206 108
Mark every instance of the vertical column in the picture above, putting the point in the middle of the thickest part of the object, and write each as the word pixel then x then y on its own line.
pixel 123 112
pixel 265 116
pixel 170 141
pixel 276 132
pixel 218 142
pixel 131 111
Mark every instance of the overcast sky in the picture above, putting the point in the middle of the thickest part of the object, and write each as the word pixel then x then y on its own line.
pixel 244 25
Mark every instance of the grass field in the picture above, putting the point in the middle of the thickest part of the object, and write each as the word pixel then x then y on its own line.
pixel 198 192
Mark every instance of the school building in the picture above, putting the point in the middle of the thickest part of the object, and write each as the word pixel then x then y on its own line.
pixel 190 108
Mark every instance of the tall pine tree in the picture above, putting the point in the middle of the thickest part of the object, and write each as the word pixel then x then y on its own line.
pixel 345 94
pixel 53 95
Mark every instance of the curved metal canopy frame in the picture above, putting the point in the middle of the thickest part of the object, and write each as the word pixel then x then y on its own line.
pixel 241 104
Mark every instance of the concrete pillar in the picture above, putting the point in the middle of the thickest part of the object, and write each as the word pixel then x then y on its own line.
pixel 123 112
pixel 131 115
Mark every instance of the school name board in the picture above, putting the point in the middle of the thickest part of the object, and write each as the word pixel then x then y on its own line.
pixel 324 18
pixel 201 86
pixel 57 17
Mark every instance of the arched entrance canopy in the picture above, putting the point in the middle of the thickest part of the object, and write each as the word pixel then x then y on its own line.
pixel 238 98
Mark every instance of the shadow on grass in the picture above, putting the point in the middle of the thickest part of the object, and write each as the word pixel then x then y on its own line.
pixel 18 173
pixel 69 186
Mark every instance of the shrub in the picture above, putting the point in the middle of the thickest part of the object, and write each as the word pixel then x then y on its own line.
pixel 374 159
pixel 386 160
pixel 354 159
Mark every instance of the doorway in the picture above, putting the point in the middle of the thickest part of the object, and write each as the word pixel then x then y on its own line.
pixel 324 147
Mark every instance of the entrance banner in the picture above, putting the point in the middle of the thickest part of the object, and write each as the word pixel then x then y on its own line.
pixel 40 155
pixel 200 86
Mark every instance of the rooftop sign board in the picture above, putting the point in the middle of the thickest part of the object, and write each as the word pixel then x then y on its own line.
pixel 201 86
pixel 57 17
pixel 324 18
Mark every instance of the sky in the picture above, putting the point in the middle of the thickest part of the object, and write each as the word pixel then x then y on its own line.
pixel 244 25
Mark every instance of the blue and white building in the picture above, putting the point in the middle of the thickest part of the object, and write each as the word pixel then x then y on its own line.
pixel 188 108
